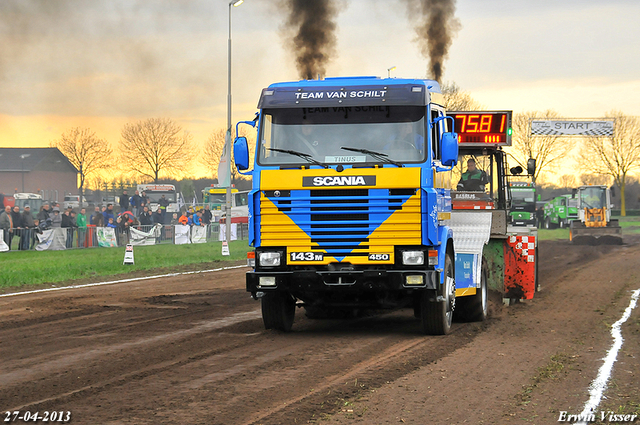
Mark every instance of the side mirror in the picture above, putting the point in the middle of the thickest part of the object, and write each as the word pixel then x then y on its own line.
pixel 516 170
pixel 531 166
pixel 241 153
pixel 613 191
pixel 449 149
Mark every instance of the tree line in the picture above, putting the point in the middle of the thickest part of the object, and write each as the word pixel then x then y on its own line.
pixel 149 150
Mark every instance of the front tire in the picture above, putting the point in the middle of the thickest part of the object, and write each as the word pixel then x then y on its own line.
pixel 437 316
pixel 278 311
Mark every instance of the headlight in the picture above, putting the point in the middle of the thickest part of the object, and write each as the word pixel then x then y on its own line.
pixel 413 258
pixel 269 259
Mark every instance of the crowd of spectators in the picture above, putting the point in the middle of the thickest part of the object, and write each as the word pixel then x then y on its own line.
pixel 134 212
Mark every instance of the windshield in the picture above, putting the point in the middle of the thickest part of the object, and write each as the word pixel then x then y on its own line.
pixel 522 197
pixel 592 197
pixel 395 133
pixel 218 198
pixel 155 196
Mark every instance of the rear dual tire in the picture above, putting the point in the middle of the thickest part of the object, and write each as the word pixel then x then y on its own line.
pixel 475 308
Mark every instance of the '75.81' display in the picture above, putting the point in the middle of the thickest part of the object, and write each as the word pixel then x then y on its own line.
pixel 477 128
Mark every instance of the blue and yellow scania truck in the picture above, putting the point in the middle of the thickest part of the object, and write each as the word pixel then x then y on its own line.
pixel 350 200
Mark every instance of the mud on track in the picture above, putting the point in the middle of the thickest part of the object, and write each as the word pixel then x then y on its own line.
pixel 192 349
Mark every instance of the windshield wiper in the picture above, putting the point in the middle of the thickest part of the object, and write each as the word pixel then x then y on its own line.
pixel 378 155
pixel 302 155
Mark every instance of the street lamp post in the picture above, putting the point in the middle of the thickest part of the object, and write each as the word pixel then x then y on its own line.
pixel 389 71
pixel 22 157
pixel 227 221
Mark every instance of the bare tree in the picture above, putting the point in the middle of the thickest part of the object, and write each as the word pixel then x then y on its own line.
pixel 458 100
pixel 212 150
pixel 85 151
pixel 614 156
pixel 595 179
pixel 546 150
pixel 154 146
pixel 567 181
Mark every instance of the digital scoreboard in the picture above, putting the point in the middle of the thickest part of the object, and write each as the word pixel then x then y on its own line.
pixel 482 128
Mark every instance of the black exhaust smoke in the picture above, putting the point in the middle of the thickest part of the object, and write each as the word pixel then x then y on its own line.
pixel 436 26
pixel 314 24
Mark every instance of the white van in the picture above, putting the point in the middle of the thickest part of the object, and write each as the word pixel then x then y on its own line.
pixel 73 201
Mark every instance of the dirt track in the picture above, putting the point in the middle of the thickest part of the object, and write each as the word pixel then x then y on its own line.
pixel 193 350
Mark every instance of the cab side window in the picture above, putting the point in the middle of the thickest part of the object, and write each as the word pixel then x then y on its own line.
pixel 436 132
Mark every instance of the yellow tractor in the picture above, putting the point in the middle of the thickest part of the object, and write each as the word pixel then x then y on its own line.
pixel 595 225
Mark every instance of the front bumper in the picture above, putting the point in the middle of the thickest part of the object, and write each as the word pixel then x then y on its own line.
pixel 301 281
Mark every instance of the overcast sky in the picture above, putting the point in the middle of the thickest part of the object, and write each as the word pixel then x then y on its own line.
pixel 67 63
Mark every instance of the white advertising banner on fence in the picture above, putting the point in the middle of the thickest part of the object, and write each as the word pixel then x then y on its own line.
pixel 199 234
pixel 139 237
pixel 182 234
pixel 53 239
pixel 3 246
pixel 106 237
pixel 223 232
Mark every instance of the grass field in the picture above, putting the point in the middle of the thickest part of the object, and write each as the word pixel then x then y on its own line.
pixel 19 268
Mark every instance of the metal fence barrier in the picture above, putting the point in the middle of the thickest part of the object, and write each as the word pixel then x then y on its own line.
pixel 27 239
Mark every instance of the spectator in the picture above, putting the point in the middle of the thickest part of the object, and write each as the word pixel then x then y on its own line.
pixel 6 224
pixel 108 213
pixel 123 224
pixel 44 213
pixel 197 218
pixel 16 217
pixel 27 239
pixel 174 219
pixel 135 203
pixel 158 216
pixel 111 223
pixel 96 217
pixel 164 203
pixel 144 199
pixel 184 220
pixel 67 223
pixel 124 201
pixel 145 217
pixel 189 218
pixel 207 215
pixel 81 223
pixel 56 219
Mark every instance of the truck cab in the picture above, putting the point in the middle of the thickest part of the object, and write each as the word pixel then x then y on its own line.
pixel 523 204
pixel 350 199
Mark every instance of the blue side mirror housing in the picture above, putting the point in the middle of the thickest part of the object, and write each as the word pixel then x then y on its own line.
pixel 449 149
pixel 241 153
